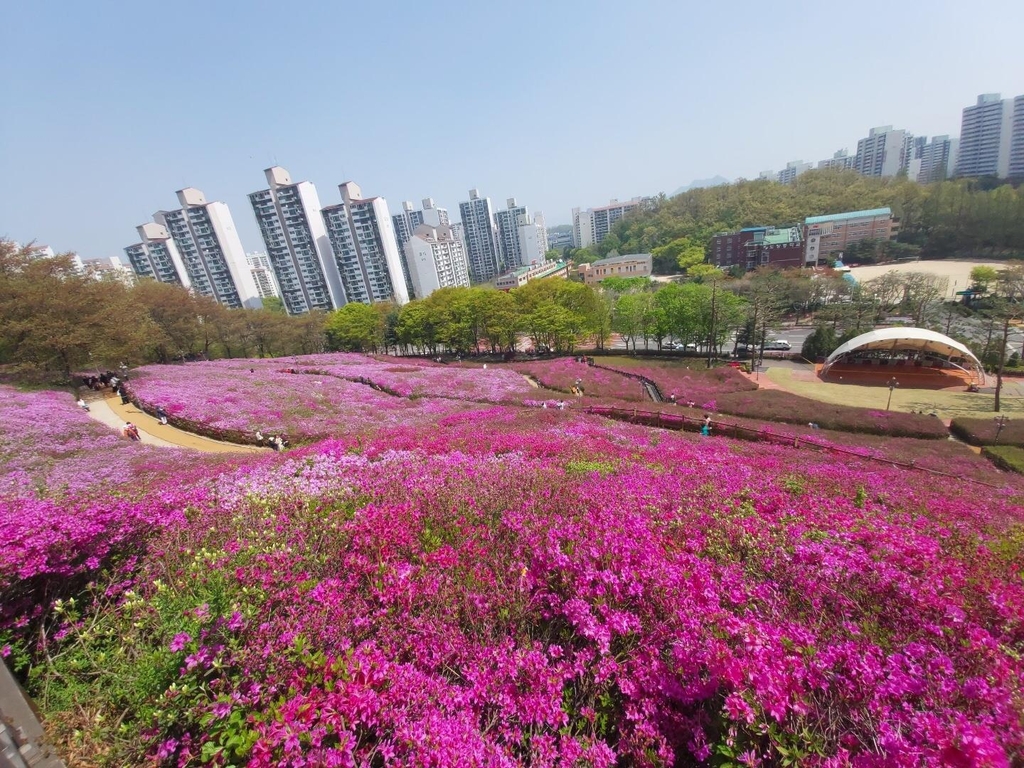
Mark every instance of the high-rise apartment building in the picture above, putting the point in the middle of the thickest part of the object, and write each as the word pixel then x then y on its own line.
pixel 533 240
pixel 985 137
pixel 841 159
pixel 406 222
pixel 300 254
pixel 883 153
pixel 210 250
pixel 108 268
pixel 506 222
pixel 437 259
pixel 938 160
pixel 156 256
pixel 262 275
pixel 481 240
pixel 362 237
pixel 792 170
pixel 1016 171
pixel 591 226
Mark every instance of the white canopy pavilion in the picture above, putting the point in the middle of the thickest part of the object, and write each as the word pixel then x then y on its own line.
pixel 940 347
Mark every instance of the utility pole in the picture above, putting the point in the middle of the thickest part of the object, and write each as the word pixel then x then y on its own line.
pixel 711 335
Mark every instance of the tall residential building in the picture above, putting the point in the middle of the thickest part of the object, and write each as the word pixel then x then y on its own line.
pixel 108 267
pixel 211 250
pixel 938 159
pixel 841 159
pixel 300 254
pixel 262 275
pixel 1017 140
pixel 437 259
pixel 407 220
pixel 481 241
pixel 985 137
pixel 157 256
pixel 792 170
pixel 591 226
pixel 363 240
pixel 510 250
pixel 883 153
pixel 533 240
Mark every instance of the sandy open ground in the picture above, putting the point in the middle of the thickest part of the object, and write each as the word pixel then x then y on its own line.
pixel 958 272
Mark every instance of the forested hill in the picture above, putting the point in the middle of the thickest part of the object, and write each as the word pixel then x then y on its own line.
pixel 950 218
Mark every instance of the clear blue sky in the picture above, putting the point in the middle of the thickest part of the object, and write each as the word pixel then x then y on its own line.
pixel 111 107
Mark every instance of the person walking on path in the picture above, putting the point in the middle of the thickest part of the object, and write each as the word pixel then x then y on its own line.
pixel 705 430
pixel 81 404
pixel 162 415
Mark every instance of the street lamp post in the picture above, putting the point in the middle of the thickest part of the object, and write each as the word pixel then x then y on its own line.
pixel 892 385
pixel 1000 423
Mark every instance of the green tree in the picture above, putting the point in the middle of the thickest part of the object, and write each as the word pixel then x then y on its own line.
pixel 982 276
pixel 821 343
pixel 355 327
pixel 274 304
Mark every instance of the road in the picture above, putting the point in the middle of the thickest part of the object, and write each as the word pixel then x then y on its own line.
pixel 795 336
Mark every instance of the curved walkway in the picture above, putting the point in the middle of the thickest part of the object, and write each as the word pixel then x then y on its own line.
pixel 111 412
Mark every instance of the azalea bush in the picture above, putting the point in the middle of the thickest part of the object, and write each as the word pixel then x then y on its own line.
pixel 561 375
pixel 698 385
pixel 231 400
pixel 986 431
pixel 777 405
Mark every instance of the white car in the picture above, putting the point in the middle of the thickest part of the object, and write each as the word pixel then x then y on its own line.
pixel 778 345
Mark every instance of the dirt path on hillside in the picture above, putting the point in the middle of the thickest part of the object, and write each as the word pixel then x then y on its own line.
pixel 532 381
pixel 111 412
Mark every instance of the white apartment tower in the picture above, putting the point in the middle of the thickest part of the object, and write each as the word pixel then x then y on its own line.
pixel 437 259
pixel 300 254
pixel 262 275
pixel 1017 140
pixel 591 226
pixel 211 250
pixel 883 153
pixel 985 137
pixel 533 239
pixel 363 240
pixel 407 220
pixel 156 256
pixel 510 251
pixel 840 159
pixel 792 170
pixel 938 159
pixel 481 242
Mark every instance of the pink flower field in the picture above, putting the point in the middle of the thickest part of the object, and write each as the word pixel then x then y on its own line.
pixel 561 375
pixel 225 400
pixel 510 586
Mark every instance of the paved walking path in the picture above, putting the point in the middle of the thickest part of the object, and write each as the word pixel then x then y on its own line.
pixel 111 412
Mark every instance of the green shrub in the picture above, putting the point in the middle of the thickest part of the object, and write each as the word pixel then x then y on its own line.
pixel 1006 457
pixel 983 431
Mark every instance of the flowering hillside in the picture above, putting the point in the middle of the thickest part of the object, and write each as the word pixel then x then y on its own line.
pixel 232 400
pixel 512 586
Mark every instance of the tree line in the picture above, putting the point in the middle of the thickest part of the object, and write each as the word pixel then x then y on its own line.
pixel 55 322
pixel 939 220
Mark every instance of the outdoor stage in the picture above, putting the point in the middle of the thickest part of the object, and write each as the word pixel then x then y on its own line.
pixel 909 375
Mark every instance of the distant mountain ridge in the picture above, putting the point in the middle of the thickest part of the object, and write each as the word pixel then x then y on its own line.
pixel 714 181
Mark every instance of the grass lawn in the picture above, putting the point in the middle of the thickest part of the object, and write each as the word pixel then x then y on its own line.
pixel 947 404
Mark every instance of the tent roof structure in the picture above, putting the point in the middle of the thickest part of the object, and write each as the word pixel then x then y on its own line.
pixel 917 339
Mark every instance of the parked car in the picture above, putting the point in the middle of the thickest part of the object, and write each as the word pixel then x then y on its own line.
pixel 778 345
